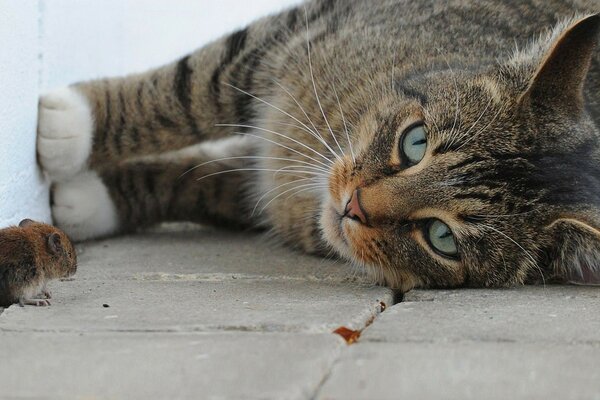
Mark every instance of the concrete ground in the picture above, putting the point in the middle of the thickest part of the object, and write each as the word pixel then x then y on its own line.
pixel 204 314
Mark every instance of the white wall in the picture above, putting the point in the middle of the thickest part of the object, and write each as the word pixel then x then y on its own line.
pixel 49 43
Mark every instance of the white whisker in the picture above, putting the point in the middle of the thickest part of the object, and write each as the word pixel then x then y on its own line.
pixel 278 134
pixel 281 194
pixel 283 146
pixel 345 125
pixel 317 135
pixel 482 129
pixel 252 158
pixel 304 190
pixel 312 77
pixel 528 254
pixel 466 134
pixel 393 70
pixel 256 170
pixel 292 167
pixel 274 189
pixel 305 127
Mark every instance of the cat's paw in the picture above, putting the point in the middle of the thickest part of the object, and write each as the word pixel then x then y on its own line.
pixel 65 130
pixel 82 207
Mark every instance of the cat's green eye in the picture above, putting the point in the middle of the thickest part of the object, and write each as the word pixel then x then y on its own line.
pixel 441 238
pixel 413 144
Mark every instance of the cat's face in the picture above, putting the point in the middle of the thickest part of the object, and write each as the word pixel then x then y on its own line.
pixel 466 178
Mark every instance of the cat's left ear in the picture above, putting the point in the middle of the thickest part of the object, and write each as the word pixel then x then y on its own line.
pixel 575 251
pixel 558 82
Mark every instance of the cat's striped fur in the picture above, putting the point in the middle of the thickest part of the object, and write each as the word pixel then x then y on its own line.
pixel 320 95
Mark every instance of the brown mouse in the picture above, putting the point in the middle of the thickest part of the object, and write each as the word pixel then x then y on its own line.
pixel 31 255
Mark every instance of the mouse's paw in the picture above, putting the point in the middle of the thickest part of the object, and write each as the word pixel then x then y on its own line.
pixel 83 208
pixel 34 302
pixel 65 130
pixel 46 294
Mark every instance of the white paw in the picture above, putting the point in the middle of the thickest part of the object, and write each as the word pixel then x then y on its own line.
pixel 82 207
pixel 65 130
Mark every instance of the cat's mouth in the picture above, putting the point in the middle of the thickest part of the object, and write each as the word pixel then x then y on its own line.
pixel 336 227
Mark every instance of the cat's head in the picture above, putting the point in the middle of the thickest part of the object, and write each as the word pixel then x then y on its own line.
pixel 477 178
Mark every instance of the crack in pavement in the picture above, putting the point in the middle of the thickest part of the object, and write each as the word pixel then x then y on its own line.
pixel 380 309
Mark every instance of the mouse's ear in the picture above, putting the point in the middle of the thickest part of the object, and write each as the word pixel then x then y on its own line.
pixel 54 243
pixel 26 222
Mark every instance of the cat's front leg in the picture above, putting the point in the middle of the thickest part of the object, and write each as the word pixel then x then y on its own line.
pixel 199 184
pixel 65 133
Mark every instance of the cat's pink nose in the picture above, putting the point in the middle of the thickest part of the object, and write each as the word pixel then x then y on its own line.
pixel 353 210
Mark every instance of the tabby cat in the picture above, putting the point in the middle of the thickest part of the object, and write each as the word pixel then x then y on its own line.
pixel 432 143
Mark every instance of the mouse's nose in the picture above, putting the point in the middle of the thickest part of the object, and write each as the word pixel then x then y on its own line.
pixel 353 210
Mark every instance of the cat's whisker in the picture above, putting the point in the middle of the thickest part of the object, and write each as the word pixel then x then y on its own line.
pixel 305 127
pixel 312 77
pixel 527 253
pixel 345 125
pixel 252 158
pixel 318 135
pixel 430 119
pixel 483 129
pixel 483 113
pixel 292 173
pixel 502 215
pixel 274 189
pixel 281 123
pixel 292 167
pixel 302 191
pixel 392 86
pixel 281 194
pixel 453 131
pixel 283 146
pixel 278 134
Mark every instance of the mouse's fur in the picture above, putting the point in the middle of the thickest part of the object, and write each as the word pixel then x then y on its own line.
pixel 31 255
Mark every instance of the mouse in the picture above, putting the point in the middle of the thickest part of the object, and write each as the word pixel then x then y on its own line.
pixel 31 255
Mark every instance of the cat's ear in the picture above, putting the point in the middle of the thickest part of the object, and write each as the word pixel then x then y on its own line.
pixel 559 80
pixel 575 251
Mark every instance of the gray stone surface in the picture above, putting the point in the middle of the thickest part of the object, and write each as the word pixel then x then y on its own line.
pixel 203 314
pixel 524 343
pixel 465 370
pixel 536 314
pixel 165 366
pixel 192 313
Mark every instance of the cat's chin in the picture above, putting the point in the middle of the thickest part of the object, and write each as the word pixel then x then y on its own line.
pixel 331 226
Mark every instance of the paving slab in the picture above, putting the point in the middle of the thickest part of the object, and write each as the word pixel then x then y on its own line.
pixel 186 312
pixel 193 249
pixel 523 343
pixel 551 314
pixel 185 306
pixel 199 279
pixel 465 370
pixel 165 366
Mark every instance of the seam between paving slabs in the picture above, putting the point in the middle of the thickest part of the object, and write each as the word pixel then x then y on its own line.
pixel 397 297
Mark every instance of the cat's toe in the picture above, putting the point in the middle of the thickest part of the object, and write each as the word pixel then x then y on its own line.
pixel 65 129
pixel 83 208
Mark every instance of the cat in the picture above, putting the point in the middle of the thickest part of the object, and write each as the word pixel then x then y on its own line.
pixel 431 143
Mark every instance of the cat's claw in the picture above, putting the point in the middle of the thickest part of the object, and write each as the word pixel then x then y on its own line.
pixel 82 207
pixel 65 129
